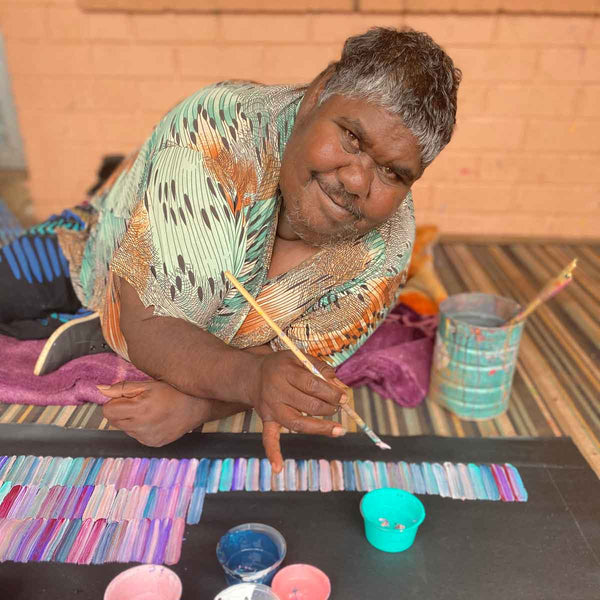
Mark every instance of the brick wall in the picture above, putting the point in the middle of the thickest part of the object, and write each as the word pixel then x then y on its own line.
pixel 524 160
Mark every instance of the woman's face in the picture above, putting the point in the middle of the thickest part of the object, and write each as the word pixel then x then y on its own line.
pixel 346 168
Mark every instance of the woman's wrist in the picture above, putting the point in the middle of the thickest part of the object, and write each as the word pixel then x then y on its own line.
pixel 249 377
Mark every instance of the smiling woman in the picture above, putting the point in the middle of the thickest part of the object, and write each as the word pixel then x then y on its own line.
pixel 347 167
pixel 301 192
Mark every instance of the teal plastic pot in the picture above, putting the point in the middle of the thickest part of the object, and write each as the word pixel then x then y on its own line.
pixel 392 518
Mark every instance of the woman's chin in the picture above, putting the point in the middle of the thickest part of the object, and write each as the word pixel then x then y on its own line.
pixel 326 239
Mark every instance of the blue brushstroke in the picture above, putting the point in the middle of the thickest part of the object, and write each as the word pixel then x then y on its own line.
pixel 214 475
pixel 74 470
pixel 226 479
pixel 410 485
pixel 154 462
pixel 150 503
pixel 30 473
pixel 197 501
pixel 349 480
pixel 368 468
pixel 430 481
pixel 10 475
pixel 489 483
pixel 104 543
pixel 63 549
pixel 94 470
pixel 265 475
pixel 382 474
pixel 302 466
pixel 440 478
pixel 313 475
pixel 6 487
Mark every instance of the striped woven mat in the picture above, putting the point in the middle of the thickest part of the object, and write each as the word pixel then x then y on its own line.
pixel 556 388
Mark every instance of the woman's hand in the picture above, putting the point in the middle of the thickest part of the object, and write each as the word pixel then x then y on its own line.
pixel 283 389
pixel 152 412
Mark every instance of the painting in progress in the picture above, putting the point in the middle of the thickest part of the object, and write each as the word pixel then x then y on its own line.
pixel 100 510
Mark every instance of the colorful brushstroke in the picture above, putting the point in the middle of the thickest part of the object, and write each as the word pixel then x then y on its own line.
pixel 99 510
pixel 95 510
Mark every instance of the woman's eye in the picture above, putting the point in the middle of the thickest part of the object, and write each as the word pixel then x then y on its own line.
pixel 352 139
pixel 390 174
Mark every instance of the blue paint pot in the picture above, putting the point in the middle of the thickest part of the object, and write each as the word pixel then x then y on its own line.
pixel 392 518
pixel 475 355
pixel 251 553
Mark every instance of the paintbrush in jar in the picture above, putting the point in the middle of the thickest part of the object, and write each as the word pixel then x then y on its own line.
pixel 298 354
pixel 555 285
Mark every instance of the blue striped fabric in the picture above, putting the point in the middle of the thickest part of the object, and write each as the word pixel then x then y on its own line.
pixel 36 256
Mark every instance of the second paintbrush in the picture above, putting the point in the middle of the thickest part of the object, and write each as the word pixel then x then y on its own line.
pixel 300 356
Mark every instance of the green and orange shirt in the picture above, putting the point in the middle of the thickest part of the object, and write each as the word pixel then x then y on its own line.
pixel 201 198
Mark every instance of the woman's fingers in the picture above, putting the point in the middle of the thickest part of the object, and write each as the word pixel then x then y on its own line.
pixel 295 421
pixel 322 391
pixel 127 389
pixel 329 373
pixel 270 438
pixel 306 403
pixel 119 409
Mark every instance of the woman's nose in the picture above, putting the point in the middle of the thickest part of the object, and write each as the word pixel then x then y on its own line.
pixel 356 176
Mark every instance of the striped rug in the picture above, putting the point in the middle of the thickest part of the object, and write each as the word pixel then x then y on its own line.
pixel 556 389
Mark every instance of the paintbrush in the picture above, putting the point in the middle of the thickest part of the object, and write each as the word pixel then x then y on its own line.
pixel 555 285
pixel 298 354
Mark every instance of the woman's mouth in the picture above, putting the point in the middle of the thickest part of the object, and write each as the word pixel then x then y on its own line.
pixel 335 207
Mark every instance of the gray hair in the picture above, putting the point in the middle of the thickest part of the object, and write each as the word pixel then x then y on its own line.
pixel 406 73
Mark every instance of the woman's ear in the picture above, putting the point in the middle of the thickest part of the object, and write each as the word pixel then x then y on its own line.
pixel 314 91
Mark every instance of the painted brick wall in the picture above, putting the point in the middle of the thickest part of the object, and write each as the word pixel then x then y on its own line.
pixel 524 160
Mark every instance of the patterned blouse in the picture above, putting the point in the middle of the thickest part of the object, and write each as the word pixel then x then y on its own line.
pixel 200 198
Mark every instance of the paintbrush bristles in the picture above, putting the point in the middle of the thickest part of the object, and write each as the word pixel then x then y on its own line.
pixel 555 285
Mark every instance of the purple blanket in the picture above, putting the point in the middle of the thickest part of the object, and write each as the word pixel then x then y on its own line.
pixel 394 362
pixel 74 383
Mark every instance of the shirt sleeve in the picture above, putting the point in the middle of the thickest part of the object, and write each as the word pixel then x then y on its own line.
pixel 178 239
pixel 337 325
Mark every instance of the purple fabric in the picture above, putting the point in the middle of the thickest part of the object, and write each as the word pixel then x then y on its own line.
pixel 395 361
pixel 74 383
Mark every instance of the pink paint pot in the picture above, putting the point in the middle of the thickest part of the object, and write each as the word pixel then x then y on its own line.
pixel 301 582
pixel 145 582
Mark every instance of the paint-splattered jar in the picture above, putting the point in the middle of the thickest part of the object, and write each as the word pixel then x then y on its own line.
pixel 475 355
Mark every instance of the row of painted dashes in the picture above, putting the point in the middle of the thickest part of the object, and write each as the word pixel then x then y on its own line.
pixel 96 510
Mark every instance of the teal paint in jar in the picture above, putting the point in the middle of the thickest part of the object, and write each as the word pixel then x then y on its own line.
pixel 475 355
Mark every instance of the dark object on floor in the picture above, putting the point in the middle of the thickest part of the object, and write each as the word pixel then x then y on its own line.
pixel 75 338
pixel 36 295
pixel 109 163
pixel 546 548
